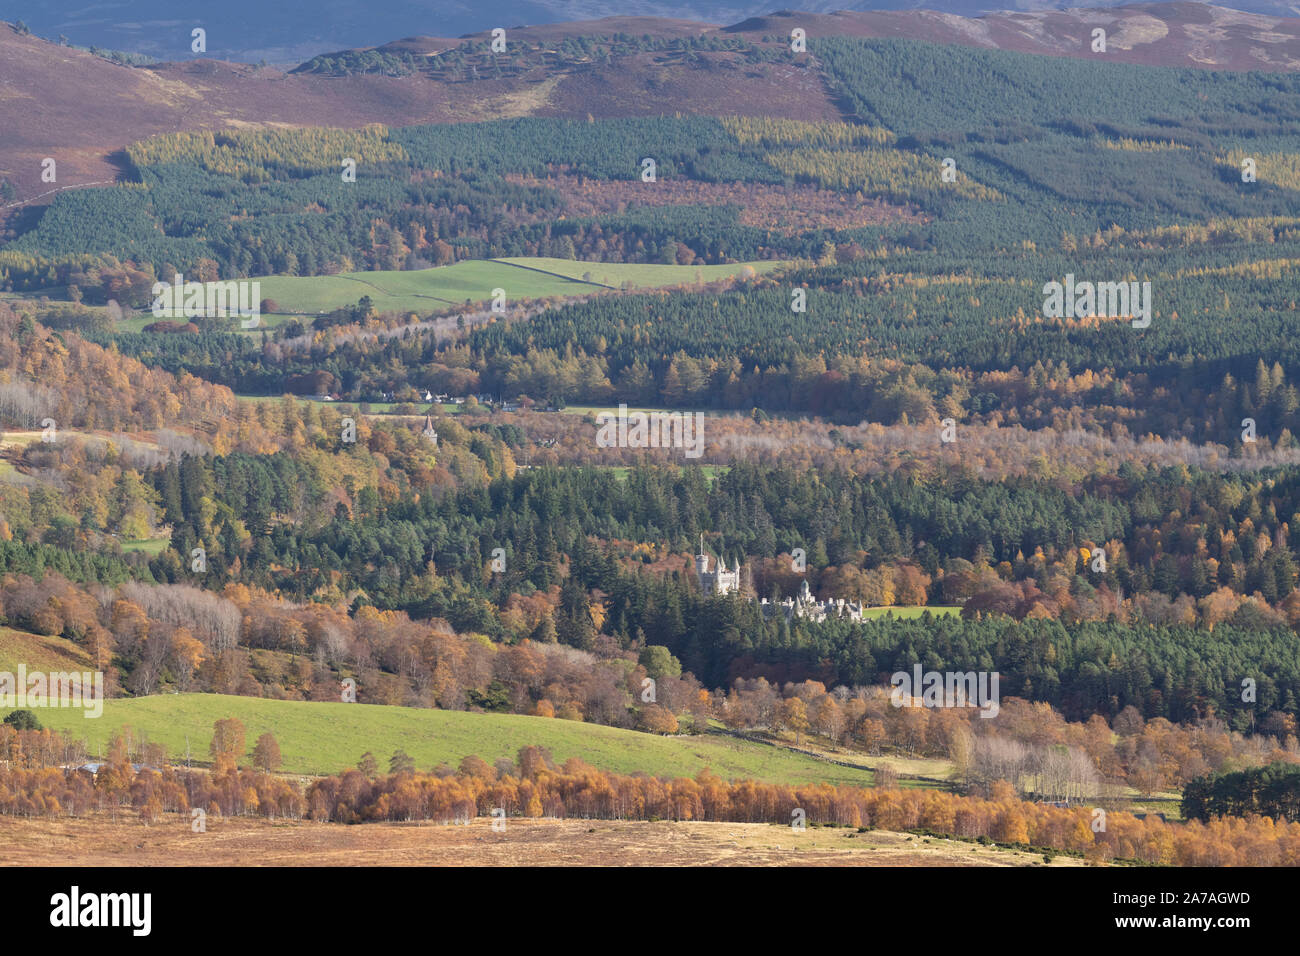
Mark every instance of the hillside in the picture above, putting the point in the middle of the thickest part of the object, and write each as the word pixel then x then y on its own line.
pixel 82 109
pixel 1153 34
pixel 322 738
pixel 40 653
pixel 282 38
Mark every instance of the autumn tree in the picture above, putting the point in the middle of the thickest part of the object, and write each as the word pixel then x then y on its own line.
pixel 266 754
pixel 792 714
pixel 657 719
pixel 227 738
pixel 186 656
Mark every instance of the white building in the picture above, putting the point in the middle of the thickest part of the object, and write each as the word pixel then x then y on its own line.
pixel 720 581
pixel 806 606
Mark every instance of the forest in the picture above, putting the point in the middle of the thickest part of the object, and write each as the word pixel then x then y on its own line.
pixel 1110 529
pixel 933 313
pixel 917 341
pixel 256 202
pixel 276 502
pixel 1270 791
pixel 473 59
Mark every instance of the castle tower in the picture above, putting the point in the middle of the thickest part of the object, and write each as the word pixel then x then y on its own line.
pixel 721 581
pixel 701 561
pixel 727 581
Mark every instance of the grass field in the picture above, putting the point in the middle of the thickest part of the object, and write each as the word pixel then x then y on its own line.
pixel 641 275
pixel 428 290
pixel 150 546
pixel 21 439
pixel 441 287
pixel 938 610
pixel 321 738
pixel 376 408
pixel 135 323
pixel 40 653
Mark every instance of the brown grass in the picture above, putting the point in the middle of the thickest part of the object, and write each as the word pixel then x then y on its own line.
pixel 784 209
pixel 103 841
pixel 80 109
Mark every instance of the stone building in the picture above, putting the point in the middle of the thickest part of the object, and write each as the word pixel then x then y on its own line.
pixel 720 581
pixel 806 606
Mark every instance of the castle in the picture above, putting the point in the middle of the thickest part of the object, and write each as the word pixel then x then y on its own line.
pixel 806 606
pixel 721 581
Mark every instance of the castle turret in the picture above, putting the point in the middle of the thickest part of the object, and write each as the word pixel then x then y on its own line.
pixel 701 560
pixel 720 581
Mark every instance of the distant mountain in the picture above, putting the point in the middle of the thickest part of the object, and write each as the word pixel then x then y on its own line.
pixel 283 34
pixel 1154 34
pixel 82 109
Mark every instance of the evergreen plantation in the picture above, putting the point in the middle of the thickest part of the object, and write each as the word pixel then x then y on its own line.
pixel 876 279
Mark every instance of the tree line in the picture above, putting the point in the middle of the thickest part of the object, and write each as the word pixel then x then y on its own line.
pixel 532 786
